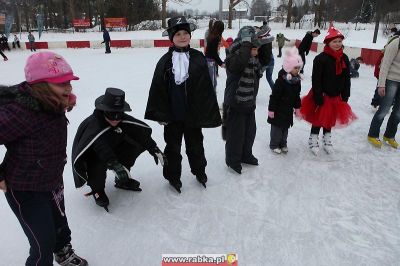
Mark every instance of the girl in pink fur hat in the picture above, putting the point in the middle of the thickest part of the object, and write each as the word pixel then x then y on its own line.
pixel 284 100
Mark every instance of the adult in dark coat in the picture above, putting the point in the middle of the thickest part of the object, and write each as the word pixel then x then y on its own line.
pixel 182 98
pixel 243 74
pixel 110 139
pixel 106 40
pixel 305 45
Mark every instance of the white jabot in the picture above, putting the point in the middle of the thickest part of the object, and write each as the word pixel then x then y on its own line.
pixel 180 66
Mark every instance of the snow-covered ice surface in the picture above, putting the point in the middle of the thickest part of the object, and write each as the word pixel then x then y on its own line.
pixel 293 209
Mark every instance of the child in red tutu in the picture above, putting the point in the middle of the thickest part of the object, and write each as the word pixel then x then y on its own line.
pixel 326 104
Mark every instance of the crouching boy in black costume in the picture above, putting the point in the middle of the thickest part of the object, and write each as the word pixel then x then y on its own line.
pixel 110 139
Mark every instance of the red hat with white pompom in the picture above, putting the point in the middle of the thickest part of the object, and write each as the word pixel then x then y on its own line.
pixel 333 33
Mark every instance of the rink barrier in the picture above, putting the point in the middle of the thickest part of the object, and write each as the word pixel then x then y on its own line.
pixel 78 44
pixel 370 56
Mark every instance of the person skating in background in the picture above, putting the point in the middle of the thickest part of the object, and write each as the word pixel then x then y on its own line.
pixel 32 44
pixel 207 32
pixel 281 39
pixel 110 139
pixel 4 43
pixel 33 129
pixel 354 66
pixel 284 100
pixel 265 54
pixel 106 40
pixel 326 104
pixel 3 55
pixel 243 71
pixel 16 42
pixel 212 55
pixel 183 100
pixel 305 45
pixel 389 90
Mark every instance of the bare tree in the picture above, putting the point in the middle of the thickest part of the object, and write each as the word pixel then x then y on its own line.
pixel 289 14
pixel 232 4
pixel 164 9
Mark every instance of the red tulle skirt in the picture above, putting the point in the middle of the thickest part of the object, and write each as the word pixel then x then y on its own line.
pixel 333 113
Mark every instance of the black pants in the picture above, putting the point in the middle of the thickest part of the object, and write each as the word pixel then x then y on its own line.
pixel 173 134
pixel 126 153
pixel 280 51
pixel 32 46
pixel 303 57
pixel 3 55
pixel 278 137
pixel 108 50
pixel 15 44
pixel 240 134
pixel 42 217
pixel 315 130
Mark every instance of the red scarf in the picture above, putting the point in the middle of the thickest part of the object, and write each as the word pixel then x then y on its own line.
pixel 338 56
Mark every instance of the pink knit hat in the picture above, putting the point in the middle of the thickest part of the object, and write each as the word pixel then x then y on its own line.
pixel 48 67
pixel 292 59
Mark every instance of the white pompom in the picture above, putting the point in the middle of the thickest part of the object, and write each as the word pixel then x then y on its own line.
pixel 289 76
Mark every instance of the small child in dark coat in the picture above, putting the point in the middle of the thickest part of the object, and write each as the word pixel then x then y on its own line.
pixel 284 98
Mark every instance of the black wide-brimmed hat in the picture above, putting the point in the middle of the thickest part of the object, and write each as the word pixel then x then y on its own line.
pixel 112 101
pixel 176 24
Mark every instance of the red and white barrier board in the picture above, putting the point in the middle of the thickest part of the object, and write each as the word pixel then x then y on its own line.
pixel 370 56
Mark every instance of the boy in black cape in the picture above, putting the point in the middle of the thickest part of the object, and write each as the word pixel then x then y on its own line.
pixel 110 139
pixel 182 98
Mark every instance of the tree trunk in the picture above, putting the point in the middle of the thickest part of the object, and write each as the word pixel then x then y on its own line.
pixel 377 20
pixel 71 10
pixel 163 13
pixel 289 14
pixel 230 14
pixel 26 13
pixel 17 16
pixel 321 12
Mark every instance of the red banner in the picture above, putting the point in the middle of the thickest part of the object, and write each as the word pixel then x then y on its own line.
pixel 116 22
pixel 83 23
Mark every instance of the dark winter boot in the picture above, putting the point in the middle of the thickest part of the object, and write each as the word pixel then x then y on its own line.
pixel 202 178
pixel 236 168
pixel 67 257
pixel 100 198
pixel 251 160
pixel 130 184
pixel 175 183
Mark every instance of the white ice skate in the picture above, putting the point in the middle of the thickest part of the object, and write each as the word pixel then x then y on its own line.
pixel 327 140
pixel 313 144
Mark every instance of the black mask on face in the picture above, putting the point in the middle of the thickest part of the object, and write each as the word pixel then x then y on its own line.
pixel 113 116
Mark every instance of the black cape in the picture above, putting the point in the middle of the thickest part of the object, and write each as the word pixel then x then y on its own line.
pixel 90 130
pixel 202 107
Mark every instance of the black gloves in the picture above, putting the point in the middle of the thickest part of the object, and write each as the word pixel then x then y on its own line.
pixel 158 156
pixel 122 174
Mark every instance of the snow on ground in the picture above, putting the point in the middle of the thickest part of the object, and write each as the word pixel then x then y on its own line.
pixel 362 37
pixel 294 209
